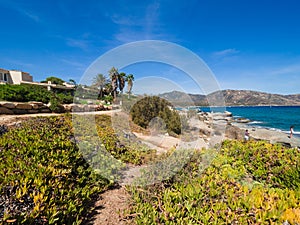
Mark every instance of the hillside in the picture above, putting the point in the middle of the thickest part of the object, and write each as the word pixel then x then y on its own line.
pixel 232 97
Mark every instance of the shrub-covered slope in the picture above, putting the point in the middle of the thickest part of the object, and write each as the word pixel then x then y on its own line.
pixel 43 177
pixel 247 183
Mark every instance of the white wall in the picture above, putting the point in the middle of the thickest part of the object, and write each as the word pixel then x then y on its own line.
pixel 16 76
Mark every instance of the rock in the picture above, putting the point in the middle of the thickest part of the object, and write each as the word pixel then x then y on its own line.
pixel 233 132
pixel 33 111
pixel 100 107
pixel 19 111
pixel 8 105
pixel 23 106
pixel 43 106
pixel 228 114
pixel 45 110
pixel 4 110
pixel 34 106
pixel 242 120
pixel 36 103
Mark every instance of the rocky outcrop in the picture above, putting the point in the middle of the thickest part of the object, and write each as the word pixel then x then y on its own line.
pixel 85 108
pixel 10 108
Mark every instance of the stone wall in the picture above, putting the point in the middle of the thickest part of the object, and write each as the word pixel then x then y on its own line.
pixel 10 108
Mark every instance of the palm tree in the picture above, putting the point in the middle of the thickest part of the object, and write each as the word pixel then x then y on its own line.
pixel 114 74
pixel 121 80
pixel 100 81
pixel 72 81
pixel 129 79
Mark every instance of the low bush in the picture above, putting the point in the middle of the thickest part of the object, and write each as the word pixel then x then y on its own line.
pixel 150 107
pixel 97 132
pixel 44 179
pixel 246 183
pixel 27 92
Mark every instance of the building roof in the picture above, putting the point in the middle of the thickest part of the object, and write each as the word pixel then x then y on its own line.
pixel 4 70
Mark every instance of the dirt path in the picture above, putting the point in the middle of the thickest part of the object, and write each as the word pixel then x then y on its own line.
pixel 109 209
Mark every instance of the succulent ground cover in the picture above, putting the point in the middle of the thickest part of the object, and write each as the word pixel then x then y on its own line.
pixel 247 183
pixel 45 178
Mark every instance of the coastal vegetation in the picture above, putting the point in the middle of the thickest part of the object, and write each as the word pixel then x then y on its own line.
pixel 28 92
pixel 45 178
pixel 149 108
pixel 247 183
pixel 113 85
pixel 53 169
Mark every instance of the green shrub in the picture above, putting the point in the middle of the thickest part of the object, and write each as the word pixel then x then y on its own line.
pixel 150 107
pixel 243 185
pixel 27 92
pixel 97 132
pixel 44 179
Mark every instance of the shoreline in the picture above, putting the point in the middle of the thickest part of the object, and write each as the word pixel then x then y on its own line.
pixel 273 136
pixel 206 122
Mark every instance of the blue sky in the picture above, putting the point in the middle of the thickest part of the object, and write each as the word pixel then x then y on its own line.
pixel 247 44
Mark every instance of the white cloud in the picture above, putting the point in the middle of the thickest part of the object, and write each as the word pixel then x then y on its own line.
pixel 226 52
pixel 124 21
pixel 30 15
pixel 21 9
pixel 289 69
pixel 78 43
pixel 138 27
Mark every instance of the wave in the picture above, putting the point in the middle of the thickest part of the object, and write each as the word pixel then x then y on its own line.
pixel 288 132
pixel 255 122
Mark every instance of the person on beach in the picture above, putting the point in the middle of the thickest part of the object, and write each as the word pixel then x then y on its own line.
pixel 247 135
pixel 291 131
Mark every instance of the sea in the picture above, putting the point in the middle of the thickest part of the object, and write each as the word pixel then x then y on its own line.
pixel 272 117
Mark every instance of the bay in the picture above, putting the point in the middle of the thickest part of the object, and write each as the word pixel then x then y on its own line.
pixel 273 117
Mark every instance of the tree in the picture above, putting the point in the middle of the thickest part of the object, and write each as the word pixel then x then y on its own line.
pixel 121 80
pixel 54 80
pixel 129 79
pixel 100 81
pixel 149 109
pixel 114 74
pixel 71 81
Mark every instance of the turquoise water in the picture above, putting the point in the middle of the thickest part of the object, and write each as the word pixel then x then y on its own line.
pixel 274 117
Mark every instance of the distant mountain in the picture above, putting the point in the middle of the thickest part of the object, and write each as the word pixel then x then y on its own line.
pixel 231 97
pixel 182 99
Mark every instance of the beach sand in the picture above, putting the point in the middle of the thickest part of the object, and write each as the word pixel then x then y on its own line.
pixel 273 136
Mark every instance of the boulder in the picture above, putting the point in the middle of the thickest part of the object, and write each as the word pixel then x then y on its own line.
pixel 242 120
pixel 228 114
pixel 34 106
pixel 100 107
pixel 67 107
pixel 77 108
pixel 45 110
pixel 33 111
pixel 23 106
pixel 36 103
pixel 9 105
pixel 4 110
pixel 233 132
pixel 19 111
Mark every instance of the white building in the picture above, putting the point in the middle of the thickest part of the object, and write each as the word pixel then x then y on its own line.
pixel 14 77
pixel 20 77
